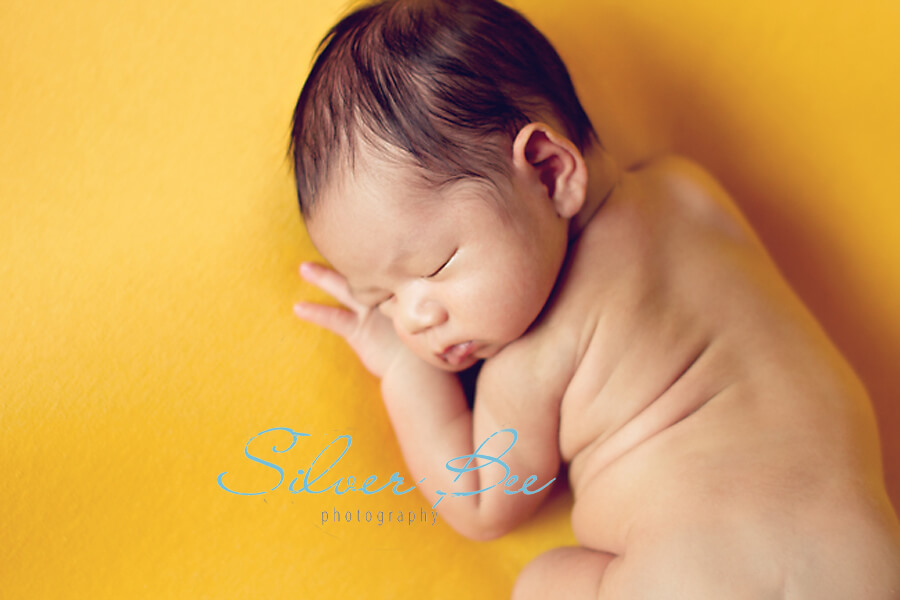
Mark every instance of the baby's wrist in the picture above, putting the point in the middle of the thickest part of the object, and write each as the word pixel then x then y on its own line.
pixel 395 366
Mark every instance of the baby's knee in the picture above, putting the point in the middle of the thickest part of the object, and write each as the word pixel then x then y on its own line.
pixel 574 570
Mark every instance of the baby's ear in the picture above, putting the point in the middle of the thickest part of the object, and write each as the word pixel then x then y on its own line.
pixel 558 164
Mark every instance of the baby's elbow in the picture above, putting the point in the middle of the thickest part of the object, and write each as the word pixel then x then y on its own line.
pixel 491 518
pixel 483 530
pixel 484 533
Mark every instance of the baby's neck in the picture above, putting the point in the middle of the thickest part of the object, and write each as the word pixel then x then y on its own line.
pixel 604 178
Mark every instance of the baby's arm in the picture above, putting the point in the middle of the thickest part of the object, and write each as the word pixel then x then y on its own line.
pixel 434 425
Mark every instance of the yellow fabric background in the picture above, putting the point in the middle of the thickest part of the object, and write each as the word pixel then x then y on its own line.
pixel 148 249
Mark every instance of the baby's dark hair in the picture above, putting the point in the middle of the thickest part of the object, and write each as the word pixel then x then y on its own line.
pixel 444 83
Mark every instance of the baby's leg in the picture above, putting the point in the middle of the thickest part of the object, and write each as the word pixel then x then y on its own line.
pixel 574 571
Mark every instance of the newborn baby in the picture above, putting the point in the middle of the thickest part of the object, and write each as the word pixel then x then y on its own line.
pixel 630 323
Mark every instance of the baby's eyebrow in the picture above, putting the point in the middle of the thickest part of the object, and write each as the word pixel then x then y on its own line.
pixel 398 258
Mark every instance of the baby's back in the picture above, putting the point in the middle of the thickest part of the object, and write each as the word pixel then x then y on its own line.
pixel 710 424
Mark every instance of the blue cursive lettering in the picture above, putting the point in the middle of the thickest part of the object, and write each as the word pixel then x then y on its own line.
pixel 279 470
pixel 308 480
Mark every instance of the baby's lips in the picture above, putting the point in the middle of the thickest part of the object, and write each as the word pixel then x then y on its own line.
pixel 456 354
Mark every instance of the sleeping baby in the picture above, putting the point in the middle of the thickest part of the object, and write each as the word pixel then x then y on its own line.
pixel 627 321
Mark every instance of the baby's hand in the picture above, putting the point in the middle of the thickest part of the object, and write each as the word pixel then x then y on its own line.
pixel 369 333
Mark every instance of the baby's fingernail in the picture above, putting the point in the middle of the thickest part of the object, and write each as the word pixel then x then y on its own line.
pixel 299 309
pixel 306 269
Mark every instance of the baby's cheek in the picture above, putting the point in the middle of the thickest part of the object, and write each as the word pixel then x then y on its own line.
pixel 404 336
pixel 413 344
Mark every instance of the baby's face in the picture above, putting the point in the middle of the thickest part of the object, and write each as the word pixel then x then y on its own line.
pixel 461 271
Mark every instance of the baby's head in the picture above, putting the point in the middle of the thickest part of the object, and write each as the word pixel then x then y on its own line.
pixel 438 148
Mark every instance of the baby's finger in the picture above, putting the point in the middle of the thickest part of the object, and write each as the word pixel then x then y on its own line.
pixel 338 320
pixel 331 282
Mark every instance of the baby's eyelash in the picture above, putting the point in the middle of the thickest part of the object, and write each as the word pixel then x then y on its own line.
pixel 446 262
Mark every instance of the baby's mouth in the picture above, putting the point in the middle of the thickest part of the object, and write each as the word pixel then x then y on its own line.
pixel 457 353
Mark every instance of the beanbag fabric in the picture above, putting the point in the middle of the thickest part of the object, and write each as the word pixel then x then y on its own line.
pixel 151 365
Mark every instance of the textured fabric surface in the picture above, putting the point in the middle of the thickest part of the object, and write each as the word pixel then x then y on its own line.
pixel 149 241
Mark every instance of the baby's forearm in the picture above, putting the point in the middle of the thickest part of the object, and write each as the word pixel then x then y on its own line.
pixel 433 425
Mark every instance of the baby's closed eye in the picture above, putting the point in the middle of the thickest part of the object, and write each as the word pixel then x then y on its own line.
pixel 443 265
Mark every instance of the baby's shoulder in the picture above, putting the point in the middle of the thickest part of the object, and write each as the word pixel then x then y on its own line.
pixel 690 189
pixel 540 363
pixel 677 170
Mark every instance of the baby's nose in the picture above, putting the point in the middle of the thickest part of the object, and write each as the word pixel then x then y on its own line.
pixel 418 315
